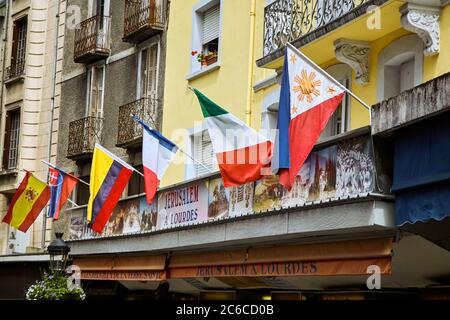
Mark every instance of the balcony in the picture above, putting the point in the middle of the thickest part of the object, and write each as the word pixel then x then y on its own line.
pixel 303 21
pixel 426 100
pixel 130 131
pixel 83 135
pixel 92 39
pixel 15 72
pixel 143 19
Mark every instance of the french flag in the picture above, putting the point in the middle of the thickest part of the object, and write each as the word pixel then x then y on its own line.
pixel 157 154
pixel 308 99
pixel 61 186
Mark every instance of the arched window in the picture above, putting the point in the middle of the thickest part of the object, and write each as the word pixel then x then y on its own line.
pixel 400 66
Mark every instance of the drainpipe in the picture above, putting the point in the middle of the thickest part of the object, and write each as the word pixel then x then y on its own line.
pixel 248 109
pixel 52 110
pixel 2 90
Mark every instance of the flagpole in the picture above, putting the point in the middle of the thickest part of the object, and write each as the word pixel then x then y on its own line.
pixel 196 161
pixel 340 85
pixel 71 175
pixel 73 203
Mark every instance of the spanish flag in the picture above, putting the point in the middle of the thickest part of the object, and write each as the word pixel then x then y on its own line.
pixel 109 176
pixel 27 203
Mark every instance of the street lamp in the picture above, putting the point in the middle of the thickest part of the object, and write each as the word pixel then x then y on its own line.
pixel 59 252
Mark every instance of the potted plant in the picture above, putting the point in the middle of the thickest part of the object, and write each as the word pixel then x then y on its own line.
pixel 54 286
pixel 206 58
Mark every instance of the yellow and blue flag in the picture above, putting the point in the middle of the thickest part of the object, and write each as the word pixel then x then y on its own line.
pixel 109 177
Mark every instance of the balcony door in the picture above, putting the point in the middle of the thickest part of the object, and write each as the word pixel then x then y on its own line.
pixel 100 9
pixel 94 105
pixel 148 72
pixel 95 96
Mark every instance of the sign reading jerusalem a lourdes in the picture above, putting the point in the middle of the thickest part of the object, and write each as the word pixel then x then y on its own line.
pixel 183 206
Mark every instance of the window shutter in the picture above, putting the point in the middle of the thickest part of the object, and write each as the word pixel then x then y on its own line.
pixel 153 68
pixel 204 153
pixel 211 24
pixel 7 139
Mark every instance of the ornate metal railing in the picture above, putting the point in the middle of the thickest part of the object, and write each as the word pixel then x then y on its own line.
pixel 129 129
pixel 144 13
pixel 287 20
pixel 83 134
pixel 92 37
pixel 15 70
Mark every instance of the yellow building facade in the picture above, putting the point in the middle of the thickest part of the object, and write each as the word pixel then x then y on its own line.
pixel 375 46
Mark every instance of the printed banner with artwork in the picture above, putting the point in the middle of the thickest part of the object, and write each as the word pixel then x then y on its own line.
pixel 229 202
pixel 343 169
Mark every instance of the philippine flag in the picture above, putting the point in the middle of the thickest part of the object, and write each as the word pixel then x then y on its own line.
pixel 61 186
pixel 308 99
pixel 157 153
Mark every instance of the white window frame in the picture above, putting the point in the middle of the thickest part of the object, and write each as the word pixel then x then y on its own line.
pixel 89 75
pixel 196 42
pixel 147 45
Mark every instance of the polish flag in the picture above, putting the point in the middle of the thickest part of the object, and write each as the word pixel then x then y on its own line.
pixel 308 99
pixel 157 154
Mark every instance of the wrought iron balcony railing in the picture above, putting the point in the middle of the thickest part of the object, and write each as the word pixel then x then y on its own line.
pixel 129 130
pixel 287 20
pixel 143 18
pixel 14 71
pixel 92 39
pixel 83 135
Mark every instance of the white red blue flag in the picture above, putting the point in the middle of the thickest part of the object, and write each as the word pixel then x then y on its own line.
pixel 157 154
pixel 61 186
pixel 308 99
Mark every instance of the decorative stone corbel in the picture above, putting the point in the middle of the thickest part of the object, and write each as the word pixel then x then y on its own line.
pixel 424 21
pixel 356 55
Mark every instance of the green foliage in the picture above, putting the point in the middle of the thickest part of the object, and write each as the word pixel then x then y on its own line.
pixel 54 287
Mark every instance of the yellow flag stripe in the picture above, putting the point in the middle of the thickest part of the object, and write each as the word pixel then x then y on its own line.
pixel 27 199
pixel 101 163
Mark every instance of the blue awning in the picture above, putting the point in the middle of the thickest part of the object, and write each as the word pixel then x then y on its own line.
pixel 422 171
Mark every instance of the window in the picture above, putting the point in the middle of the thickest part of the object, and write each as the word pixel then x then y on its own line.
pixel 19 41
pixel 136 184
pixel 148 72
pixel 82 190
pixel 11 139
pixel 210 29
pixel 203 154
pixel 206 34
pixel 340 120
pixel 95 96
pixel 400 66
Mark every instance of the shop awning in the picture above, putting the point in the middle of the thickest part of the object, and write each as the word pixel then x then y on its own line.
pixel 318 259
pixel 140 268
pixel 422 171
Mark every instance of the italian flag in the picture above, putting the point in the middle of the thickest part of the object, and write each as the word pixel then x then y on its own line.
pixel 242 154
